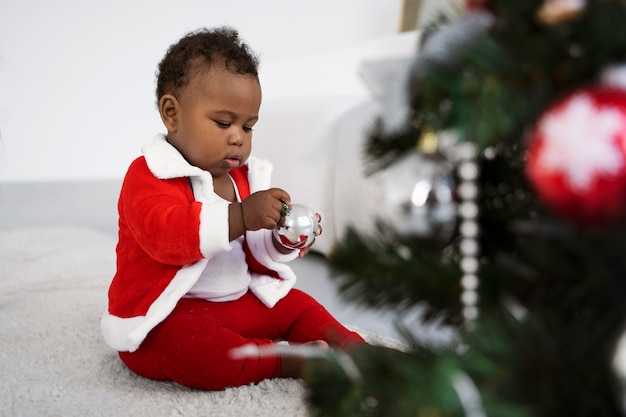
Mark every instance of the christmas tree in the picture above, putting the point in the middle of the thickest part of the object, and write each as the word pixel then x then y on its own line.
pixel 504 188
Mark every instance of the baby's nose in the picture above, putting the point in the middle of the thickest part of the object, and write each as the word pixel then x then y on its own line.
pixel 236 138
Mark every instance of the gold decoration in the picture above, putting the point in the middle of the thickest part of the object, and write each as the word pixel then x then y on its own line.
pixel 428 142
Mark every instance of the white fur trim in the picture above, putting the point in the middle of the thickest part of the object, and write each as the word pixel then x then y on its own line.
pixel 214 227
pixel 126 334
pixel 165 162
pixel 116 330
pixel 267 289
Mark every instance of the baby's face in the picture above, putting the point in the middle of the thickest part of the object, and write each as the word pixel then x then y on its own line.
pixel 213 128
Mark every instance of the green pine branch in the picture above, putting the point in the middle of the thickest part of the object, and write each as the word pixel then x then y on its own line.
pixel 552 294
pixel 390 271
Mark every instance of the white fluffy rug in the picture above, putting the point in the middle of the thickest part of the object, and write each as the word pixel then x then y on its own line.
pixel 53 361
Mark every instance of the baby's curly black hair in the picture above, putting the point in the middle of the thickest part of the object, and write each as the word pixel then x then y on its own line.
pixel 208 46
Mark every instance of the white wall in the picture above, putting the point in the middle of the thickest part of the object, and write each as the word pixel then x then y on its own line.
pixel 77 76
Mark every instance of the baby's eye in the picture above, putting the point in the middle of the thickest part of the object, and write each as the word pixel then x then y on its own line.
pixel 247 129
pixel 223 125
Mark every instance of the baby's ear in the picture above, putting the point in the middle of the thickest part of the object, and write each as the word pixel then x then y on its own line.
pixel 168 108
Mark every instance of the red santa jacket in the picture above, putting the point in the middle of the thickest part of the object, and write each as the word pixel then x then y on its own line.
pixel 170 225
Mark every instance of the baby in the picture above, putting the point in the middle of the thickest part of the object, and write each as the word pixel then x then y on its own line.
pixel 199 272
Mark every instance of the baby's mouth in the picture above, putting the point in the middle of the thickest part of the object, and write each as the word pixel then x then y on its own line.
pixel 232 162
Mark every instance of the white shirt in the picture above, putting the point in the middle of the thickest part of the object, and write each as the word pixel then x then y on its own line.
pixel 225 277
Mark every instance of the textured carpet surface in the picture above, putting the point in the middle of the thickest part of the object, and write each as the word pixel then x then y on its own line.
pixel 53 361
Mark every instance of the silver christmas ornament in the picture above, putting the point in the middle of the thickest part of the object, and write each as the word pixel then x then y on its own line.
pixel 299 227
pixel 416 196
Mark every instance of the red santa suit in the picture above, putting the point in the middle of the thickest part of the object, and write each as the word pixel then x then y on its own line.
pixel 174 250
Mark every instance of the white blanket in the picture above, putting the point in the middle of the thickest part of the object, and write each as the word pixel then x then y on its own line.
pixel 53 361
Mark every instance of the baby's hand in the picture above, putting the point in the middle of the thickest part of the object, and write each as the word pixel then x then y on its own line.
pixel 307 249
pixel 262 210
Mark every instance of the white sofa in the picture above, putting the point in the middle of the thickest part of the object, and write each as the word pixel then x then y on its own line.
pixel 315 112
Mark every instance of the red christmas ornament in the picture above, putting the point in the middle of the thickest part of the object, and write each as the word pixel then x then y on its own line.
pixel 577 156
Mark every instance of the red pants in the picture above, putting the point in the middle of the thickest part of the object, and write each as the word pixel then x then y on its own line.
pixel 191 346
